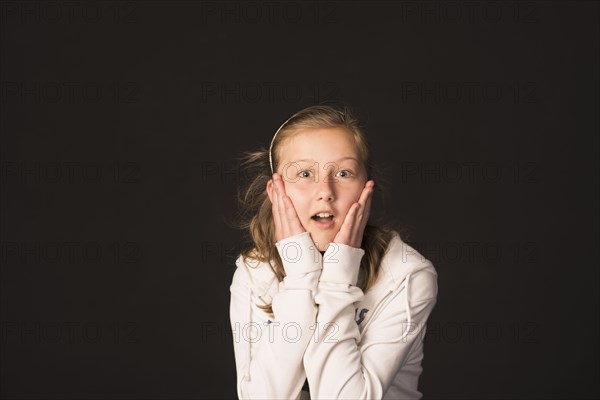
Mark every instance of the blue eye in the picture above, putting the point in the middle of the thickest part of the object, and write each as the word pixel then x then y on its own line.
pixel 308 173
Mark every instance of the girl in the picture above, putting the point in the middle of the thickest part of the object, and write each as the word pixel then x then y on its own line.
pixel 324 305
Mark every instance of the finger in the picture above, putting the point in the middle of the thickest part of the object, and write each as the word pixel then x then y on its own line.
pixel 367 210
pixel 275 209
pixel 284 212
pixel 365 200
pixel 289 217
pixel 293 221
pixel 349 222
pixel 343 235
pixel 365 193
pixel 287 227
pixel 281 207
pixel 363 215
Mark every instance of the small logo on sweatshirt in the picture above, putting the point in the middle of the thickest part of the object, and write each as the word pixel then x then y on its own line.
pixel 361 315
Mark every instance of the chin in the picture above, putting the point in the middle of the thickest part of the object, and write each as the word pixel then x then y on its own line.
pixel 322 242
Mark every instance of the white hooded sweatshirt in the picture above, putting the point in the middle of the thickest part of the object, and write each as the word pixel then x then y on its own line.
pixel 346 343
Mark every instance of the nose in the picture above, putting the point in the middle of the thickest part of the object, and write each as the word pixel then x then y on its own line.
pixel 325 188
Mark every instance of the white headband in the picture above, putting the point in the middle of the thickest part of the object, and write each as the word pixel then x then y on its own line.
pixel 272 140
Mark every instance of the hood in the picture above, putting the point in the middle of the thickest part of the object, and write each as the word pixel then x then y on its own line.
pixel 401 261
pixel 398 265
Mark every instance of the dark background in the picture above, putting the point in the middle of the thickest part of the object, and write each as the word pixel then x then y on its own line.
pixel 120 126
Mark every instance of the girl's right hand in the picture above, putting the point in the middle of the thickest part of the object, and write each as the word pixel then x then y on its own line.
pixel 285 217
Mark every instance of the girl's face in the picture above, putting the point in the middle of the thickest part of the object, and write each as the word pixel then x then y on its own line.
pixel 322 172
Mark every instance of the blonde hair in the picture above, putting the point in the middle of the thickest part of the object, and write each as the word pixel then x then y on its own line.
pixel 255 210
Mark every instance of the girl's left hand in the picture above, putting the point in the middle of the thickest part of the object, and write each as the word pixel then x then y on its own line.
pixel 351 231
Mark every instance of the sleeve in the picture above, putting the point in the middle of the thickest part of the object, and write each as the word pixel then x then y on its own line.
pixel 336 364
pixel 268 354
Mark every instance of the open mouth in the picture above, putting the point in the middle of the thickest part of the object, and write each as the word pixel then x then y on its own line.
pixel 323 217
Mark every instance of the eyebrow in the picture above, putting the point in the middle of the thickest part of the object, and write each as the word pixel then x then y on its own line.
pixel 338 160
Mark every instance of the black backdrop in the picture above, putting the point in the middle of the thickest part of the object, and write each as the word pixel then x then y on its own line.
pixel 120 126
